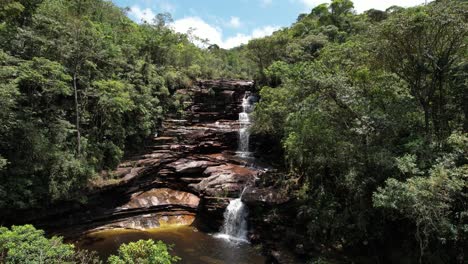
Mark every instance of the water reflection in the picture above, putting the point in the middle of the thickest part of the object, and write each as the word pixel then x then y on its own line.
pixel 189 244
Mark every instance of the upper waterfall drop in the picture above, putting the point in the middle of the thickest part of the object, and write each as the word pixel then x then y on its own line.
pixel 244 127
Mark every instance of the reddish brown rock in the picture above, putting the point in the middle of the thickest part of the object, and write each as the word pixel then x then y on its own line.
pixel 189 166
pixel 151 221
pixel 162 196
pixel 225 180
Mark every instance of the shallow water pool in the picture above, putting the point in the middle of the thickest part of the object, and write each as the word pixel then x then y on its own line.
pixel 192 246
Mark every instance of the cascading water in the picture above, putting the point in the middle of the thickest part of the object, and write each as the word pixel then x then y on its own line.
pixel 235 222
pixel 244 129
pixel 235 217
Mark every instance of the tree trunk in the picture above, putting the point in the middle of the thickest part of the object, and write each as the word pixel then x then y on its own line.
pixel 465 111
pixel 427 121
pixel 77 112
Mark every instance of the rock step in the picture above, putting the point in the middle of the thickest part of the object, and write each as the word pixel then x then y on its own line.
pixel 164 139
pixel 175 121
pixel 159 147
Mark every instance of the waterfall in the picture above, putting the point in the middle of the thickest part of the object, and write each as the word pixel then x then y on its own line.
pixel 235 222
pixel 244 128
pixel 235 217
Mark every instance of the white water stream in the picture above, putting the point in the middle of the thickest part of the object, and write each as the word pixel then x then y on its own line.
pixel 235 217
pixel 235 222
pixel 244 129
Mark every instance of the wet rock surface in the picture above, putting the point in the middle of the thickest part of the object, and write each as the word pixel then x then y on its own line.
pixel 258 196
pixel 186 175
pixel 188 169
pixel 162 196
pixel 225 180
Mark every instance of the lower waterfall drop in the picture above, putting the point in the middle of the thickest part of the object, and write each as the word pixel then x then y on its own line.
pixel 235 222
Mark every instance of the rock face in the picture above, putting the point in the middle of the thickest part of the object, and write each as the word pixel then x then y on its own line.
pixel 212 100
pixel 150 221
pixel 264 195
pixel 189 170
pixel 157 197
pixel 227 180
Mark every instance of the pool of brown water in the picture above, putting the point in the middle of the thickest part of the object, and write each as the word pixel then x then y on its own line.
pixel 192 246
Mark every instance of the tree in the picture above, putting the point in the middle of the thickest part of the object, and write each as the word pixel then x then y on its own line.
pixel 431 202
pixel 423 46
pixel 25 244
pixel 143 252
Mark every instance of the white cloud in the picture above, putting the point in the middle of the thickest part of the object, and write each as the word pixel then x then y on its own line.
pixel 240 39
pixel 265 3
pixel 236 41
pixel 312 3
pixel 264 31
pixel 142 15
pixel 363 5
pixel 234 22
pixel 214 35
pixel 199 28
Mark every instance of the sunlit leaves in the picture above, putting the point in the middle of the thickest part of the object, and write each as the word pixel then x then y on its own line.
pixel 143 252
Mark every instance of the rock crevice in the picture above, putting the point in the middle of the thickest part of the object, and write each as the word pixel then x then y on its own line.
pixel 190 167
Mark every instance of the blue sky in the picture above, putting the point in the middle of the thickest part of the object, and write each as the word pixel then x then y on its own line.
pixel 230 23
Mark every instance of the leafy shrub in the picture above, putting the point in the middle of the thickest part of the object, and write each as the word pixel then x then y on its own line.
pixel 143 252
pixel 26 244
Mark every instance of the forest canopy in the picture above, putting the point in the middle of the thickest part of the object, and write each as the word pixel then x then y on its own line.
pixel 370 112
pixel 80 85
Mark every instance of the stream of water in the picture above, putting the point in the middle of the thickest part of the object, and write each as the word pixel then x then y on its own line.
pixel 244 128
pixel 235 222
pixel 235 217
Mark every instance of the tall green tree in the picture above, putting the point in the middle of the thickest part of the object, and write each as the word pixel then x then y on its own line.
pixel 424 46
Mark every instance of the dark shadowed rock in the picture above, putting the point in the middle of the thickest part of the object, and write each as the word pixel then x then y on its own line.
pixel 271 196
pixel 186 159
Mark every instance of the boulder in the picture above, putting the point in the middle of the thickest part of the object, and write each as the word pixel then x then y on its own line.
pixel 161 196
pixel 225 180
pixel 267 195
pixel 188 166
pixel 151 221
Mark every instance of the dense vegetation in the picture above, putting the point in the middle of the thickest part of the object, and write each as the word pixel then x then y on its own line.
pixel 26 244
pixel 371 111
pixel 80 85
pixel 144 252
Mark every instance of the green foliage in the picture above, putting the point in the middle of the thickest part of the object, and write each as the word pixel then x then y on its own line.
pixel 80 85
pixel 369 122
pixel 431 201
pixel 143 252
pixel 25 244
pixel 440 31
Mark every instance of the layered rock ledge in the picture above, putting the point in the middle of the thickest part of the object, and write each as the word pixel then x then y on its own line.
pixel 188 171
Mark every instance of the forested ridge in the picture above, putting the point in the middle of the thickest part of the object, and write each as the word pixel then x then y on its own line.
pixel 80 84
pixel 366 115
pixel 371 112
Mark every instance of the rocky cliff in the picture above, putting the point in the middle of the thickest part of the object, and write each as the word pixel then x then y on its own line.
pixel 188 172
